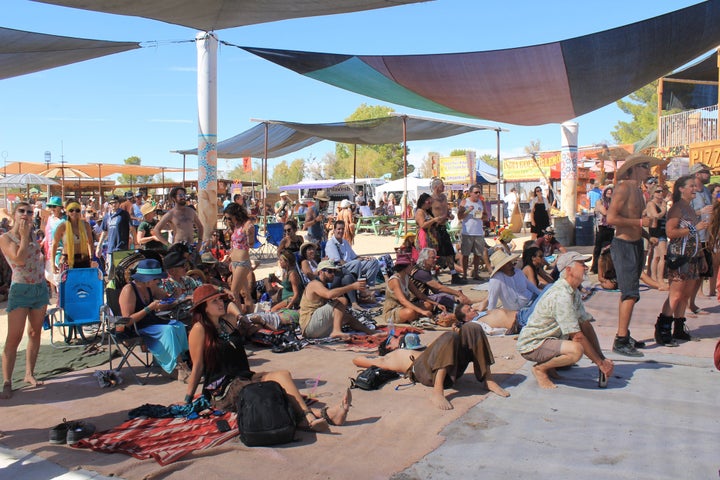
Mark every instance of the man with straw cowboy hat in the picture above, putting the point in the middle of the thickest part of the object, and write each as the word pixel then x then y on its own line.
pixel 315 219
pixel 628 255
pixel 283 208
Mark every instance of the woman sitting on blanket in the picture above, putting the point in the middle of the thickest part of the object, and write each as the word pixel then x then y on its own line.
pixel 397 306
pixel 140 300
pixel 285 310
pixel 218 356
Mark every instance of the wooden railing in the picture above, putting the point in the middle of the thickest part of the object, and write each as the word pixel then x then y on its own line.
pixel 684 128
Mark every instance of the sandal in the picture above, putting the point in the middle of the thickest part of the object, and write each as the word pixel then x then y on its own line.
pixel 346 404
pixel 315 424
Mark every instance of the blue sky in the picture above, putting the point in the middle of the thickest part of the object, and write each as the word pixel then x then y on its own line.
pixel 143 102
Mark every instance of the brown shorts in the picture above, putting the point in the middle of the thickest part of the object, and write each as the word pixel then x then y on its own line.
pixel 549 349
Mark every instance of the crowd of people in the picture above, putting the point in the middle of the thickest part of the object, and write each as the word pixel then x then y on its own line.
pixel 322 286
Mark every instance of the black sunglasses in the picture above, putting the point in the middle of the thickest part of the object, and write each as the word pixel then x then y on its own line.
pixel 74 210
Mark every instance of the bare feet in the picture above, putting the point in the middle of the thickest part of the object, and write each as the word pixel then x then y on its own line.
pixel 542 378
pixel 439 400
pixel 7 391
pixel 496 389
pixel 33 381
pixel 337 414
pixel 340 335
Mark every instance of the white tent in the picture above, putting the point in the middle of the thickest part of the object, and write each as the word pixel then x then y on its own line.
pixel 415 187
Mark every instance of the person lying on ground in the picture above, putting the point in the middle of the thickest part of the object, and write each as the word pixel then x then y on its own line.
pixel 559 331
pixel 324 311
pixel 219 358
pixel 499 318
pixel 423 279
pixel 443 362
pixel 397 306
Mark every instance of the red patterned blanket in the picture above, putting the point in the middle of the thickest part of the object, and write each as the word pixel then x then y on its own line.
pixel 164 439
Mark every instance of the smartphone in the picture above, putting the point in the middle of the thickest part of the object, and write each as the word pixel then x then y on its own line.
pixel 222 425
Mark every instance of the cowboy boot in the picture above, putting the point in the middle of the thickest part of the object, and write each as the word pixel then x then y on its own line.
pixel 679 330
pixel 663 331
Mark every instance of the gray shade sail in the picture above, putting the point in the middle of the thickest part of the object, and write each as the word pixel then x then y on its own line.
pixel 208 15
pixel 24 179
pixel 27 52
pixel 287 137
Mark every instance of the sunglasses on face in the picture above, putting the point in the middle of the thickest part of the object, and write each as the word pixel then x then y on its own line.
pixel 23 211
pixel 74 210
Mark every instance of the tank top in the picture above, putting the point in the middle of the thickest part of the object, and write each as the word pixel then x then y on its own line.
pixel 150 318
pixel 239 240
pixel 34 269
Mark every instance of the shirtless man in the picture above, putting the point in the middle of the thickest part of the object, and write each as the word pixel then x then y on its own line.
pixel 180 219
pixel 458 348
pixel 323 311
pixel 441 210
pixel 626 214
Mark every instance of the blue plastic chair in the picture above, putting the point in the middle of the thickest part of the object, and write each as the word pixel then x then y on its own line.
pixel 80 301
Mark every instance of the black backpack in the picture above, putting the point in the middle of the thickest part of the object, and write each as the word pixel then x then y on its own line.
pixel 373 378
pixel 264 415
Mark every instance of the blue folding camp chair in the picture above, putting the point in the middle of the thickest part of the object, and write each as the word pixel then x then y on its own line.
pixel 80 301
pixel 258 248
pixel 274 234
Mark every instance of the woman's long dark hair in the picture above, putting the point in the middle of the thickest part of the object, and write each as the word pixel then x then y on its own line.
pixel 211 338
pixel 422 199
pixel 681 183
pixel 528 255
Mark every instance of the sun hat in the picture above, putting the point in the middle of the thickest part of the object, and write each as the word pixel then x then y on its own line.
pixel 568 258
pixel 403 258
pixel 205 293
pixel 409 235
pixel 633 160
pixel 412 342
pixel 54 202
pixel 305 246
pixel 345 203
pixel 148 269
pixel 699 167
pixel 174 259
pixel 284 194
pixel 327 265
pixel 322 196
pixel 208 257
pixel 147 207
pixel 500 258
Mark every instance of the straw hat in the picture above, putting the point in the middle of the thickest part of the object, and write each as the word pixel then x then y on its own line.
pixel 284 194
pixel 305 246
pixel 322 196
pixel 499 259
pixel 147 207
pixel 633 160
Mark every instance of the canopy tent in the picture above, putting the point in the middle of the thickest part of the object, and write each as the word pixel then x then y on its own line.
pixel 533 85
pixel 210 15
pixel 415 187
pixel 286 137
pixel 27 52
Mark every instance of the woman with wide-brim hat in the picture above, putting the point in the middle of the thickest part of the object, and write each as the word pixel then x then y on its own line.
pixel 144 236
pixel 308 262
pixel 397 305
pixel 219 358
pixel 140 301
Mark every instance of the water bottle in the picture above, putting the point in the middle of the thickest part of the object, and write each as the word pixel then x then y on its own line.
pixel 391 328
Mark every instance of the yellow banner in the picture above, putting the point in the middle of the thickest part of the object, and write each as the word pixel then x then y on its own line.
pixel 525 168
pixel 456 170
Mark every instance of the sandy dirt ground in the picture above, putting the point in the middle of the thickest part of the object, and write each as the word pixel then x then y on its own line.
pixel 388 430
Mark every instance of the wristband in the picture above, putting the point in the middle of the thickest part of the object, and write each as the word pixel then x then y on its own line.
pixel 147 310
pixel 188 398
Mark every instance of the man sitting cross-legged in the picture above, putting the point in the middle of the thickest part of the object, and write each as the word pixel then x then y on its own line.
pixel 558 331
pixel 323 311
pixel 443 362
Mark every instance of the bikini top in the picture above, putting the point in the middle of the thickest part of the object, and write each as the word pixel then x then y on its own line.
pixel 239 239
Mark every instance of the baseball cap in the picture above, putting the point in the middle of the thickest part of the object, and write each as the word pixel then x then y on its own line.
pixel 568 258
pixel 699 167
pixel 327 265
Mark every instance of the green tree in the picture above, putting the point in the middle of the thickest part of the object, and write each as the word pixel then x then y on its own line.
pixel 642 106
pixel 458 152
pixel 489 159
pixel 372 160
pixel 125 179
pixel 284 174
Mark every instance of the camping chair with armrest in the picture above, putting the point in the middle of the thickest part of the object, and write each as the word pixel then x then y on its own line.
pixel 80 302
pixel 122 338
pixel 259 248
pixel 274 234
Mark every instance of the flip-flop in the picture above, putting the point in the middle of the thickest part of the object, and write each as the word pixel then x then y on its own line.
pixel 700 311
pixel 345 406
pixel 319 425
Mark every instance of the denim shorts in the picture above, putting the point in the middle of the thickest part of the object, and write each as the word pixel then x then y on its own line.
pixel 28 295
